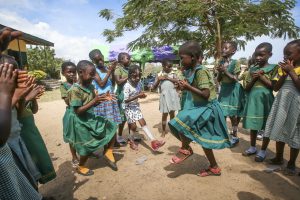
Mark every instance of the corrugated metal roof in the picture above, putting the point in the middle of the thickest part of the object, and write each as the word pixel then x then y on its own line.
pixel 30 39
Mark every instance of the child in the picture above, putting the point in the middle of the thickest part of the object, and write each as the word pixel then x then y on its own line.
pixel 13 184
pixel 32 137
pixel 68 70
pixel 201 119
pixel 169 98
pixel 121 76
pixel 259 96
pixel 231 94
pixel 103 83
pixel 283 124
pixel 21 155
pixel 131 106
pixel 87 132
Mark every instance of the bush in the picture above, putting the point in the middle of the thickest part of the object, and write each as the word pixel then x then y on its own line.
pixel 38 74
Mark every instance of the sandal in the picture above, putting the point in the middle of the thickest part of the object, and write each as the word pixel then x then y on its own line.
pixel 133 145
pixel 210 172
pixel 290 171
pixel 84 171
pixel 259 158
pixel 186 152
pixel 248 153
pixel 275 161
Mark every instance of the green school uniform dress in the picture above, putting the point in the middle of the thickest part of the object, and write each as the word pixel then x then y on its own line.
pixel 259 100
pixel 64 87
pixel 231 95
pixel 121 71
pixel 87 132
pixel 36 146
pixel 201 120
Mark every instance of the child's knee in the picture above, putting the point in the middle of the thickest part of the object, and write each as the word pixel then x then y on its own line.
pixel 133 126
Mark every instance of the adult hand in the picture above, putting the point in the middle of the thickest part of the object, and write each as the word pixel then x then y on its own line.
pixel 7 35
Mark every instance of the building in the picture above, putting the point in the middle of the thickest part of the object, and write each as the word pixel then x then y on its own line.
pixel 17 47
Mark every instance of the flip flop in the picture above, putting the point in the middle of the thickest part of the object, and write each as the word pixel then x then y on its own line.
pixel 87 173
pixel 210 172
pixel 111 164
pixel 186 152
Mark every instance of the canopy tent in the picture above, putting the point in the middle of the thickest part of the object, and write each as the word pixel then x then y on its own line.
pixel 155 54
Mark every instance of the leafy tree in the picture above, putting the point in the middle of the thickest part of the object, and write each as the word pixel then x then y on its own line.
pixel 42 58
pixel 170 22
pixel 243 61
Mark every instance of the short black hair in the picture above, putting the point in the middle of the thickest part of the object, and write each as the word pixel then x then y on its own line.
pixel 191 48
pixel 8 59
pixel 232 43
pixel 122 55
pixel 266 45
pixel 83 64
pixel 94 53
pixel 132 69
pixel 165 61
pixel 295 42
pixel 66 64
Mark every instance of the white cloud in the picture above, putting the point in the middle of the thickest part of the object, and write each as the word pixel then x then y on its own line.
pixel 68 47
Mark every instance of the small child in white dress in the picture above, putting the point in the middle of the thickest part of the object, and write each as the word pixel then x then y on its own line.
pixel 132 92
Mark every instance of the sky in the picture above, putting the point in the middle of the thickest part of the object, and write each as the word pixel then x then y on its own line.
pixel 74 26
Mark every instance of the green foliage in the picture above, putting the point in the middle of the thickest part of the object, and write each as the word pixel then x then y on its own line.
pixel 171 22
pixel 40 58
pixel 243 61
pixel 38 74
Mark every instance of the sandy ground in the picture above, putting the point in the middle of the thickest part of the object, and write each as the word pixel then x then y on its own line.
pixel 155 179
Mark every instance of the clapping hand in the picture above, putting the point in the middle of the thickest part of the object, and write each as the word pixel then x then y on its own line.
pixel 8 77
pixel 183 84
pixel 36 92
pixel 287 66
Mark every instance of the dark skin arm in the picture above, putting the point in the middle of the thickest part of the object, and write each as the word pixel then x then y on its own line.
pixel 157 81
pixel 288 67
pixel 119 80
pixel 141 95
pixel 82 109
pixel 8 77
pixel 252 82
pixel 110 71
pixel 278 84
pixel 222 70
pixel 205 93
pixel 265 81
pixel 103 82
pixel 66 101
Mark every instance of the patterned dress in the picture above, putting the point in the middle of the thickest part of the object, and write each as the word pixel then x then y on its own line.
pixel 132 109
pixel 201 120
pixel 14 185
pixel 169 98
pixel 87 132
pixel 21 155
pixel 283 123
pixel 259 100
pixel 121 71
pixel 107 109
pixel 36 146
pixel 231 95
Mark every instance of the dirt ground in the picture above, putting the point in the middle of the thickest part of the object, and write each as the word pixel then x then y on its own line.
pixel 155 179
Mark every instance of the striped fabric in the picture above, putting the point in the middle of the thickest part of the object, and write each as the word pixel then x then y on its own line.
pixel 13 184
pixel 283 123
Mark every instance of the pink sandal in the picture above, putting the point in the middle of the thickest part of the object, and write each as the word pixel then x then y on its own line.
pixel 186 152
pixel 210 172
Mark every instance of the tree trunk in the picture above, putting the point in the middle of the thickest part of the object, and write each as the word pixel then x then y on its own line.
pixel 218 40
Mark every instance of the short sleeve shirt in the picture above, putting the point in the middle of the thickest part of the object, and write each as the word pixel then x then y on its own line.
pixel 79 95
pixel 204 80
pixel 121 71
pixel 234 68
pixel 64 87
